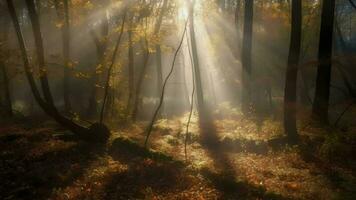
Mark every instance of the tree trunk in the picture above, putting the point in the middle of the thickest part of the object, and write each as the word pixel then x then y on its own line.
pixel 131 69
pixel 246 57
pixel 7 104
pixel 101 46
pixel 64 17
pixel 140 79
pixel 113 60
pixel 290 92
pixel 47 107
pixel 7 97
pixel 159 52
pixel 195 57
pixel 36 28
pixel 66 56
pixel 322 89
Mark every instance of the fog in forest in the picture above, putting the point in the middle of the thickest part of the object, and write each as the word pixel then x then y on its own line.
pixel 177 99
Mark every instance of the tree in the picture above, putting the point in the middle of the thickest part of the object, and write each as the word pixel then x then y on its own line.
pixel 246 57
pixel 290 91
pixel 145 48
pixel 113 60
pixel 131 81
pixel 196 64
pixel 322 89
pixel 64 17
pixel 97 132
pixel 6 106
pixel 159 51
pixel 101 44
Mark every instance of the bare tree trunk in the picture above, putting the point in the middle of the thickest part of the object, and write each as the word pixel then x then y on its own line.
pixel 64 17
pixel 159 51
pixel 5 79
pixel 101 44
pixel 140 79
pixel 39 51
pixel 246 57
pixel 159 70
pixel 113 60
pixel 322 89
pixel 7 97
pixel 290 92
pixel 66 56
pixel 131 80
pixel 196 64
pixel 154 117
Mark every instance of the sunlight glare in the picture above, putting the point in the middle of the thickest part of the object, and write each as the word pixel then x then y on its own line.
pixel 182 13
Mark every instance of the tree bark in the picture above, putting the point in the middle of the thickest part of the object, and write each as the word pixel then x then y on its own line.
pixel 140 79
pixel 7 97
pixel 36 28
pixel 196 64
pixel 113 60
pixel 246 57
pixel 322 89
pixel 131 81
pixel 101 46
pixel 290 91
pixel 64 17
pixel 7 104
pixel 66 56
pixel 159 51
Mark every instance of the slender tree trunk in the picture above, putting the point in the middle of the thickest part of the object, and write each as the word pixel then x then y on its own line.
pixel 7 97
pixel 290 91
pixel 140 79
pixel 113 60
pixel 64 18
pixel 66 56
pixel 185 84
pixel 196 64
pixel 101 46
pixel 322 89
pixel 131 69
pixel 159 52
pixel 159 70
pixel 5 79
pixel 39 51
pixel 246 57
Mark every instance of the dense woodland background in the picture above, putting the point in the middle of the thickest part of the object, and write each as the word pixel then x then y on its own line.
pixel 177 99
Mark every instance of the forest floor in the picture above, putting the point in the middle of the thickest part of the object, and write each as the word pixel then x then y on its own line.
pixel 226 159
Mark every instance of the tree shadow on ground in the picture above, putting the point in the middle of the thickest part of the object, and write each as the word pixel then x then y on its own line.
pixel 147 172
pixel 332 170
pixel 224 179
pixel 35 164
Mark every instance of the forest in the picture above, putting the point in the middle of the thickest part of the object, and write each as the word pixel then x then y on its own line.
pixel 178 99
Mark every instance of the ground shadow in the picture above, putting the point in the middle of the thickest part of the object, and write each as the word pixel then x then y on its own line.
pixel 332 170
pixel 223 177
pixel 31 171
pixel 147 172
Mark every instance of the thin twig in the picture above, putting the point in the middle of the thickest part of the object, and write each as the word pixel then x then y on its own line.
pixel 352 4
pixel 191 103
pixel 110 68
pixel 149 129
pixel 343 112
